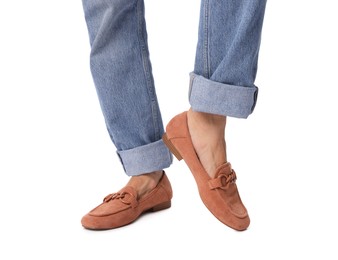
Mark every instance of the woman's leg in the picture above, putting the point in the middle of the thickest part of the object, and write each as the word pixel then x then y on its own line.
pixel 222 83
pixel 122 74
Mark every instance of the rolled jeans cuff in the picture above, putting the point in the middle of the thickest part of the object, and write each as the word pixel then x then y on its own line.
pixel 218 98
pixel 144 159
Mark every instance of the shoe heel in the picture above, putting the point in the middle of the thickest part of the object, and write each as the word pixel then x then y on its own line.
pixel 161 206
pixel 171 147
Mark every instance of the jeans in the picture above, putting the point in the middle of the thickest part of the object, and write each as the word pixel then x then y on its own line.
pixel 222 81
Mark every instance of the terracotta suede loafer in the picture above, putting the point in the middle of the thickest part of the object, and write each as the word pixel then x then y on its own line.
pixel 219 194
pixel 124 207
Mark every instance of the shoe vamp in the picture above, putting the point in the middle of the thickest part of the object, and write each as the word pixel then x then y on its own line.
pixel 109 208
pixel 233 200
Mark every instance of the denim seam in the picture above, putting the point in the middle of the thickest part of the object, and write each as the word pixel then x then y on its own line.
pixel 149 83
pixel 206 46
pixel 191 82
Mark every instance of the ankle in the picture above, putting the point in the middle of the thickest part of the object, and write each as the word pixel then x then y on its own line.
pixel 207 118
pixel 212 125
pixel 207 133
pixel 208 129
pixel 145 182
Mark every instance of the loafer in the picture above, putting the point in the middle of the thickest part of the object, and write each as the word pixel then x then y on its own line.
pixel 124 207
pixel 219 194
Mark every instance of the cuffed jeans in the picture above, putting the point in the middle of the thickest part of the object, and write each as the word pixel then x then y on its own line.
pixel 222 81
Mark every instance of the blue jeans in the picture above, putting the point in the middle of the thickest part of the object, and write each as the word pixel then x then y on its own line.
pixel 222 81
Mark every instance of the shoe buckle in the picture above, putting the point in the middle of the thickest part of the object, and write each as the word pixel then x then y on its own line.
pixel 223 181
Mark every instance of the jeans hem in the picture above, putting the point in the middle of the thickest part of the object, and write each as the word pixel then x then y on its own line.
pixel 145 159
pixel 214 97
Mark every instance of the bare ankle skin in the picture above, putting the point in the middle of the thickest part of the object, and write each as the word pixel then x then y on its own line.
pixel 207 134
pixel 145 182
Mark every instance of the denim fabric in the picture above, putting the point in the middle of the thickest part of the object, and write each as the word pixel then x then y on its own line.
pixel 122 74
pixel 222 81
pixel 214 97
pixel 226 57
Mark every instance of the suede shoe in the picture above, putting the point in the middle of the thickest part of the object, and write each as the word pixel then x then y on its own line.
pixel 219 194
pixel 124 207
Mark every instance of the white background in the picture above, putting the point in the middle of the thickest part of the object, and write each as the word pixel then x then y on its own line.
pixel 57 161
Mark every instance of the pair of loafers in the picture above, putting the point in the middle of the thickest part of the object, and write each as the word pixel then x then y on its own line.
pixel 219 194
